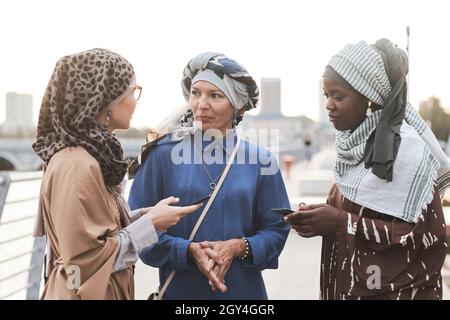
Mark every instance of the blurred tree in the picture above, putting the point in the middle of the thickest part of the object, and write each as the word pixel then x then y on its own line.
pixel 438 119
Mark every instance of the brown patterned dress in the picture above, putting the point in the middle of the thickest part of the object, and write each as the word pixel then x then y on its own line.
pixel 375 256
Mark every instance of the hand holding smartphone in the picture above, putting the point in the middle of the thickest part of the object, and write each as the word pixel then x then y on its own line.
pixel 283 211
pixel 200 200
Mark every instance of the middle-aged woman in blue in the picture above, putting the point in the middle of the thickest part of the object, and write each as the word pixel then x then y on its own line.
pixel 240 235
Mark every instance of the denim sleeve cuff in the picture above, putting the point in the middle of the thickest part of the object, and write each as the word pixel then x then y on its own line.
pixel 180 254
pixel 258 249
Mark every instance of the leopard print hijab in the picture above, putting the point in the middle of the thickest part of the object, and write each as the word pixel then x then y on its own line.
pixel 81 85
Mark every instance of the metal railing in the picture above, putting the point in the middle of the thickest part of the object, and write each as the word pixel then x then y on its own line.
pixel 33 270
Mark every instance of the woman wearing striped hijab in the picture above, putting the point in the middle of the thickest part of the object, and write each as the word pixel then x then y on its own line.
pixel 383 228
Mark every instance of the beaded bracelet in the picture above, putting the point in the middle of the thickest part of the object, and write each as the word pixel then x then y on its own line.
pixel 247 249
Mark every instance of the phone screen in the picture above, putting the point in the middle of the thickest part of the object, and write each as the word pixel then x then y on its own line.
pixel 282 211
pixel 199 200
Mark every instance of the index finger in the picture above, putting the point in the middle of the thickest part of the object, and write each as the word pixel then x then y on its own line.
pixel 189 209
pixel 307 207
pixel 216 282
pixel 301 204
pixel 298 217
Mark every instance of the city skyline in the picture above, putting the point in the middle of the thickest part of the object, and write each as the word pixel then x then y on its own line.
pixel 287 40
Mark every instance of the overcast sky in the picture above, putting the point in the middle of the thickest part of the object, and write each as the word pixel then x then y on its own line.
pixel 292 40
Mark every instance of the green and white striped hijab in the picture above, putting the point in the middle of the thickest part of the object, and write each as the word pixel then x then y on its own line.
pixel 420 161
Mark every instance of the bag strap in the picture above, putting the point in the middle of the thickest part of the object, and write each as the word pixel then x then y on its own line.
pixel 204 212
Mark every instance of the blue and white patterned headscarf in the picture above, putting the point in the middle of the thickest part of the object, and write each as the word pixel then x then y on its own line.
pixel 379 73
pixel 391 161
pixel 226 74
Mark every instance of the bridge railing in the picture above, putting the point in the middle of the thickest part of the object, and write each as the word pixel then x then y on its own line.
pixel 21 255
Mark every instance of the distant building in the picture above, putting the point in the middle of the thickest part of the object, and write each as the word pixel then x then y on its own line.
pixel 271 97
pixel 290 129
pixel 19 114
pixel 437 118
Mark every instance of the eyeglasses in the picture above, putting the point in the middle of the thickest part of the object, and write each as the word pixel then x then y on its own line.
pixel 137 92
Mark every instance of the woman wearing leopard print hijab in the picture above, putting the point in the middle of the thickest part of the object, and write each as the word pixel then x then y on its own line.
pixel 93 240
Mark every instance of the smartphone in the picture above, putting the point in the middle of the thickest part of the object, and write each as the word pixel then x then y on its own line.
pixel 199 200
pixel 283 211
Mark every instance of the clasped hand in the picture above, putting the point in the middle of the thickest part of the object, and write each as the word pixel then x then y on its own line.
pixel 214 258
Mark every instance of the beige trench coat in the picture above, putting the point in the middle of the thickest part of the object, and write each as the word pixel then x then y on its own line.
pixel 80 220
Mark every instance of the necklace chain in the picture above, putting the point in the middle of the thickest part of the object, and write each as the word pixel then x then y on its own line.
pixel 213 184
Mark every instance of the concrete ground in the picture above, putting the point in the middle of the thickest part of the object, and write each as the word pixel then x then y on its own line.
pixel 297 277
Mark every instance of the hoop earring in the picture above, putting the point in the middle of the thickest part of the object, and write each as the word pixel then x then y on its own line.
pixel 369 110
pixel 236 119
pixel 108 115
